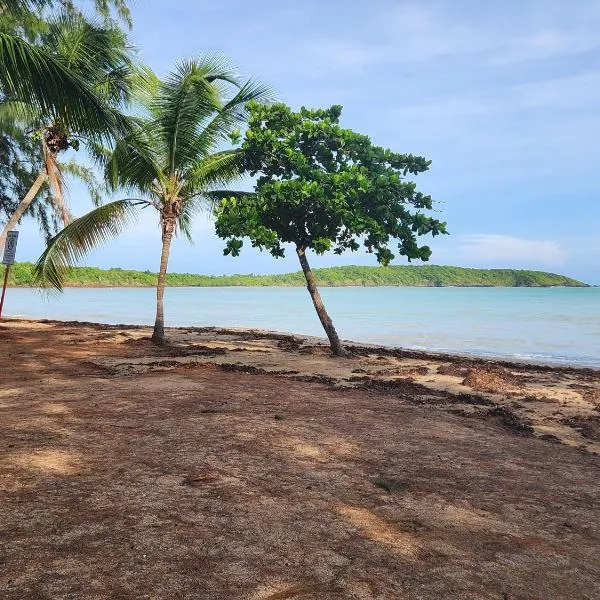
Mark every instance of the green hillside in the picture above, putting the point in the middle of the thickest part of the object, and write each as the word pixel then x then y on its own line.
pixel 402 275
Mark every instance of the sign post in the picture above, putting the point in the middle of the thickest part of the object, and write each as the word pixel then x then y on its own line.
pixel 8 258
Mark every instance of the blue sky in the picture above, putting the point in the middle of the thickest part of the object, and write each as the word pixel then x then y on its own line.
pixel 504 97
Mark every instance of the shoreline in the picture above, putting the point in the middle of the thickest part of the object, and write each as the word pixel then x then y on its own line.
pixel 555 402
pixel 353 345
pixel 303 285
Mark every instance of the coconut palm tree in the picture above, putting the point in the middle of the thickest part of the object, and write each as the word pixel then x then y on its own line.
pixel 37 76
pixel 102 56
pixel 172 161
pixel 31 10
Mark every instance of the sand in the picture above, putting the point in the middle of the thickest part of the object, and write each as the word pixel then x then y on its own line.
pixel 254 465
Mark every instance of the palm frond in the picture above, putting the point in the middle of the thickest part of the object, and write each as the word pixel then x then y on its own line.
pixel 134 161
pixel 251 90
pixel 206 203
pixel 188 99
pixel 99 153
pixel 79 238
pixel 104 9
pixel 233 114
pixel 88 176
pixel 32 74
pixel 115 86
pixel 185 98
pixel 145 86
pixel 219 168
pixel 18 114
pixel 19 6
pixel 212 66
pixel 97 52
pixel 184 222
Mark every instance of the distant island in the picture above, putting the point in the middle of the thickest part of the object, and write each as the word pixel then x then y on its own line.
pixel 401 275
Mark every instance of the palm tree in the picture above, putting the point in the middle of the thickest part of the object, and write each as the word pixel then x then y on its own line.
pixel 172 160
pixel 31 9
pixel 100 54
pixel 38 77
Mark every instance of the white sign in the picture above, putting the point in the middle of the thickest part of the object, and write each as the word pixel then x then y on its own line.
pixel 10 248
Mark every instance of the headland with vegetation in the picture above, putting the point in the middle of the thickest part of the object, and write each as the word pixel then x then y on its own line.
pixel 352 275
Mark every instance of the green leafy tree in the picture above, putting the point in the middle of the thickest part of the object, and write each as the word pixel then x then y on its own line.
pixel 19 167
pixel 101 55
pixel 321 187
pixel 173 160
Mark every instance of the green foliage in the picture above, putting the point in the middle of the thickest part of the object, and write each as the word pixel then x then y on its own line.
pixel 20 163
pixel 172 153
pixel 39 78
pixel 29 16
pixel 170 158
pixel 72 73
pixel 96 53
pixel 322 187
pixel 401 275
pixel 81 236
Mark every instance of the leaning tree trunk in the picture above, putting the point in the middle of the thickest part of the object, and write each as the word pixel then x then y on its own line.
pixel 334 340
pixel 55 141
pixel 56 185
pixel 23 205
pixel 158 335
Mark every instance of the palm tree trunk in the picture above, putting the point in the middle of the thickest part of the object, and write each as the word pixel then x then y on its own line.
pixel 23 205
pixel 56 184
pixel 61 207
pixel 334 340
pixel 158 335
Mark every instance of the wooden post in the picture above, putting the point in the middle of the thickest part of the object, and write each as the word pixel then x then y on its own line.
pixel 6 270
pixel 8 258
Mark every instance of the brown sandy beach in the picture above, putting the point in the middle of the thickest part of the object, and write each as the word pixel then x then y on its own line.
pixel 253 465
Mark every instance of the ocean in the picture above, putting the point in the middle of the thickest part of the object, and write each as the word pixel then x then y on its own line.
pixel 543 325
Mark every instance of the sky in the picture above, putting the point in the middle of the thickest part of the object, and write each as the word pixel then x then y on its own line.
pixel 503 97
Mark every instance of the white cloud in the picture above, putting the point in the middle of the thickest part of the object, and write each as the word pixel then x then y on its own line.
pixel 446 111
pixel 415 34
pixel 569 93
pixel 574 92
pixel 342 55
pixel 544 45
pixel 509 249
pixel 408 34
pixel 421 33
pixel 516 131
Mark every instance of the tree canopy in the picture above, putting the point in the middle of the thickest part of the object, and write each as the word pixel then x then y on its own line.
pixel 62 76
pixel 171 160
pixel 323 187
pixel 100 54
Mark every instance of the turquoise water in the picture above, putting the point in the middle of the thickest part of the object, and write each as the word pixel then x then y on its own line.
pixel 553 325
